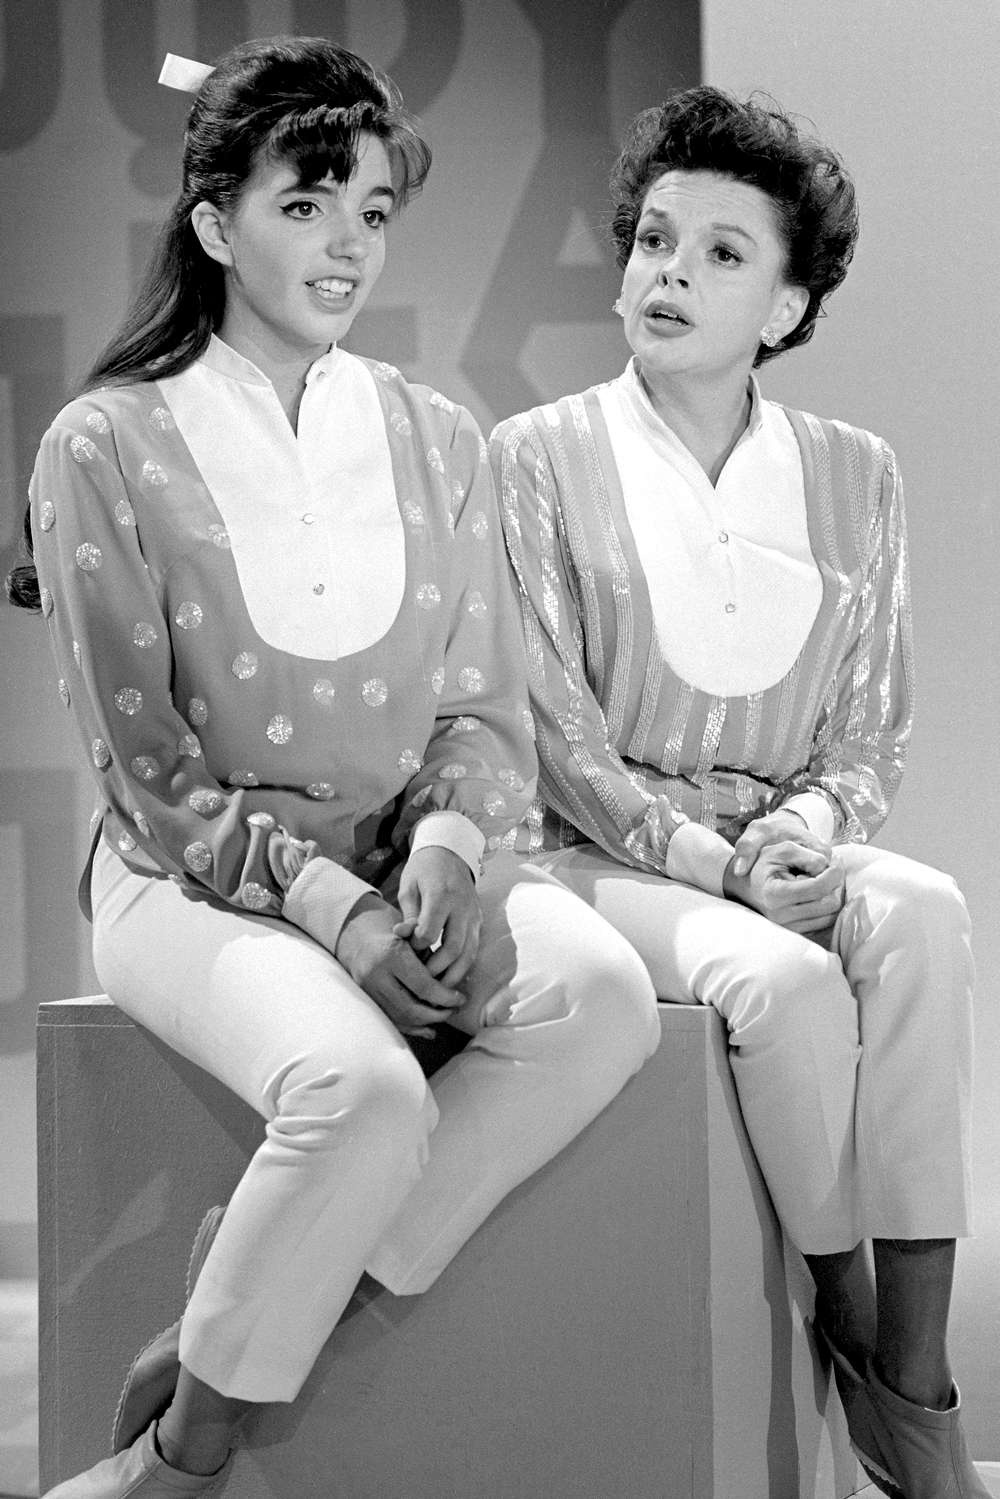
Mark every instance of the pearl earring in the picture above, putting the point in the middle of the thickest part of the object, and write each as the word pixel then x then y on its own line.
pixel 768 336
pixel 616 306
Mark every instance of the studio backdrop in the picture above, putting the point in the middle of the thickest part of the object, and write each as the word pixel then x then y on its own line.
pixel 498 290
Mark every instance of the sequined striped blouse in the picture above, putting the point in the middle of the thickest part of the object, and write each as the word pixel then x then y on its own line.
pixel 240 742
pixel 660 774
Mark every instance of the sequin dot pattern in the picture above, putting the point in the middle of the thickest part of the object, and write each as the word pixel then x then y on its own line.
pixel 193 709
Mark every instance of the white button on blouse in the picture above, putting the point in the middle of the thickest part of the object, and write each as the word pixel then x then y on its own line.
pixel 714 556
pixel 258 471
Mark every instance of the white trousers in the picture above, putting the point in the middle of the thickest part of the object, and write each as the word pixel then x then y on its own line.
pixel 349 1176
pixel 853 1066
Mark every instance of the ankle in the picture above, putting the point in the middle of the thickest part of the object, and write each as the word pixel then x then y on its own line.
pixel 931 1388
pixel 204 1452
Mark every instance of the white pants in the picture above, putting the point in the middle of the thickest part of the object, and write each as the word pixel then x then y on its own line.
pixel 561 1012
pixel 853 1066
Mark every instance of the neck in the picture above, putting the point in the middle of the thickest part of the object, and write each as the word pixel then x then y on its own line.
pixel 289 383
pixel 286 369
pixel 709 415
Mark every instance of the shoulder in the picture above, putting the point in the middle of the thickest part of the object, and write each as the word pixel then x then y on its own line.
pixel 841 443
pixel 414 406
pixel 851 481
pixel 91 425
pixel 560 422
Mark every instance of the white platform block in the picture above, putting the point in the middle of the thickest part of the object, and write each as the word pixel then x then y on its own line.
pixel 626 1326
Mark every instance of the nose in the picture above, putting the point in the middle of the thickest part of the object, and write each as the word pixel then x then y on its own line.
pixel 672 271
pixel 345 238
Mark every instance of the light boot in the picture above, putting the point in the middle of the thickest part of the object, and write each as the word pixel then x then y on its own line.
pixel 138 1473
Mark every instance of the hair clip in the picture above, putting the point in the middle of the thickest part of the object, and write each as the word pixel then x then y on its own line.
pixel 183 73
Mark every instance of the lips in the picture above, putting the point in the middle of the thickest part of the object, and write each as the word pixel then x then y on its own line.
pixel 667 312
pixel 333 288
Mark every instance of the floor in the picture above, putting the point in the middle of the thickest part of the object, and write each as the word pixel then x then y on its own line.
pixel 18 1387
pixel 988 1472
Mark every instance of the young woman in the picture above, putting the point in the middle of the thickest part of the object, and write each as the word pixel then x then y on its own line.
pixel 275 586
pixel 715 600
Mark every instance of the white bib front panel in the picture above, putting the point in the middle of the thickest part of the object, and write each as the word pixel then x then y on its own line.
pixel 312 516
pixel 732 581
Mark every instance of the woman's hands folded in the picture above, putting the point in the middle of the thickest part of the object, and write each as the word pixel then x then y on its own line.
pixel 411 961
pixel 791 884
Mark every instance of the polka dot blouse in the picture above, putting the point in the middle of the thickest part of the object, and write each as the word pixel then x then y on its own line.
pixel 283 651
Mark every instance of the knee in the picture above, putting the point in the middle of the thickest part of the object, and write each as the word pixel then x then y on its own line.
pixel 940 902
pixel 608 993
pixel 635 1009
pixel 380 1093
pixel 906 901
pixel 789 991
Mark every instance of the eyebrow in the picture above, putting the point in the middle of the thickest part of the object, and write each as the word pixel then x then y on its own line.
pixel 322 186
pixel 716 228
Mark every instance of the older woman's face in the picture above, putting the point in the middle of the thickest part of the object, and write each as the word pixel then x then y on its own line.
pixel 705 275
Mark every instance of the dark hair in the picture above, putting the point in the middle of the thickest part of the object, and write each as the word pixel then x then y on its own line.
pixel 705 130
pixel 300 100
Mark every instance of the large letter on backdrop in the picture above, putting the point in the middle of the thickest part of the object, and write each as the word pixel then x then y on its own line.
pixel 32 71
pixel 32 361
pixel 537 281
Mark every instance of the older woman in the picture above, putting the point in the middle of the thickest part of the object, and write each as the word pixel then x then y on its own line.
pixel 715 599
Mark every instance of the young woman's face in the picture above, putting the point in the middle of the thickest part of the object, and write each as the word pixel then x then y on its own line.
pixel 301 263
pixel 705 275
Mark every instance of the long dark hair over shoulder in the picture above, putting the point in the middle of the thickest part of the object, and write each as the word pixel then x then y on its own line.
pixel 300 100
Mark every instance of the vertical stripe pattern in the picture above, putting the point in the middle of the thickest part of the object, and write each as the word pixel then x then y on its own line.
pixel 621 736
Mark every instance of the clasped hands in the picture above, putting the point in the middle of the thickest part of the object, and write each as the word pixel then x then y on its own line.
pixel 411 960
pixel 785 872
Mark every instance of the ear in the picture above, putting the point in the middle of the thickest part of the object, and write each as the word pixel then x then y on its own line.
pixel 211 225
pixel 789 309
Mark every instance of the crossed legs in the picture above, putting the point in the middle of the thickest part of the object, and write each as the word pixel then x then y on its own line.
pixel 362 1163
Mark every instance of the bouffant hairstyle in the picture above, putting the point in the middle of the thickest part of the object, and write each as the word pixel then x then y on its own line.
pixel 706 130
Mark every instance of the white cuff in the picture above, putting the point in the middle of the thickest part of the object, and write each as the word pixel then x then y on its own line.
pixel 320 899
pixel 698 856
pixel 451 830
pixel 815 811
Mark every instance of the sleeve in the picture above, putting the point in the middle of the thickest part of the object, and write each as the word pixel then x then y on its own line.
pixel 863 734
pixel 479 769
pixel 816 810
pixel 112 643
pixel 581 775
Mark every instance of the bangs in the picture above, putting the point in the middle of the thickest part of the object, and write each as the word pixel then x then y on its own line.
pixel 323 142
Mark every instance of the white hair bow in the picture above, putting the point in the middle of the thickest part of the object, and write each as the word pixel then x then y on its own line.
pixel 183 73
